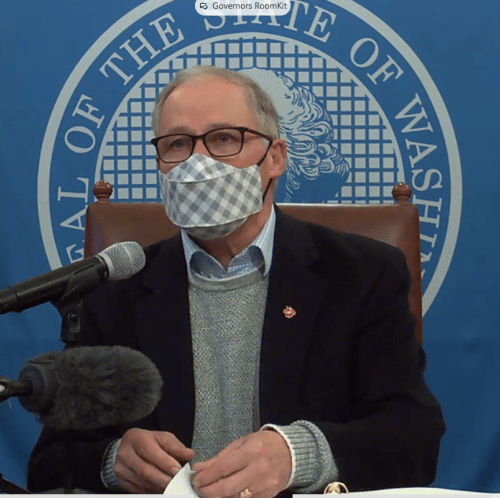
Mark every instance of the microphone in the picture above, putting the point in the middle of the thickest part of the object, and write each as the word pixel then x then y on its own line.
pixel 119 261
pixel 87 387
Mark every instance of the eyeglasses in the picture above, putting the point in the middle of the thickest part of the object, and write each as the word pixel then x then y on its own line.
pixel 222 142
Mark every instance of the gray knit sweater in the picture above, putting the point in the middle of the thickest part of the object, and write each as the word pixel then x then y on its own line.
pixel 226 326
pixel 227 317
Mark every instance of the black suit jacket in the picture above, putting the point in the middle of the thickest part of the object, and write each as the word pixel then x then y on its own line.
pixel 348 361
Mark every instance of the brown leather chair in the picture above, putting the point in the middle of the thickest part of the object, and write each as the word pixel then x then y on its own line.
pixel 146 223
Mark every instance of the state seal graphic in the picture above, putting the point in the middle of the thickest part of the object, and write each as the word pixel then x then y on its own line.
pixel 357 107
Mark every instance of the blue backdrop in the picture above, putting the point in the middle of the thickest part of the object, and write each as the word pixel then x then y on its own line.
pixel 403 90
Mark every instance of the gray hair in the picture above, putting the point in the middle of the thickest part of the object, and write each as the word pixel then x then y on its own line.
pixel 260 103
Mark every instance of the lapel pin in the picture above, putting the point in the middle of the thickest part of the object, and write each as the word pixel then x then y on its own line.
pixel 289 312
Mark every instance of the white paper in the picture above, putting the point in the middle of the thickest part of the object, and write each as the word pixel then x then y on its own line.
pixel 181 483
pixel 410 492
pixel 421 492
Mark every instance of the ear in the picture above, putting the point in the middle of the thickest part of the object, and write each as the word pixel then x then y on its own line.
pixel 277 154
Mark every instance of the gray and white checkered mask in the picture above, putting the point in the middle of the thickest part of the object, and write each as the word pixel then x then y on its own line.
pixel 208 198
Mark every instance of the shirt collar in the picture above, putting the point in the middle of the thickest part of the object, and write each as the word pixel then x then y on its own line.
pixel 257 255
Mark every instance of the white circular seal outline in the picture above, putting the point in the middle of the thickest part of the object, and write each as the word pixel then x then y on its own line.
pixel 362 13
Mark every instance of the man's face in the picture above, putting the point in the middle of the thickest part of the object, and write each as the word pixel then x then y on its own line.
pixel 206 103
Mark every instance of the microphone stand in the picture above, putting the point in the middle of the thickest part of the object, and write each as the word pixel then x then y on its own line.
pixel 7 486
pixel 71 334
pixel 71 326
pixel 70 304
pixel 70 307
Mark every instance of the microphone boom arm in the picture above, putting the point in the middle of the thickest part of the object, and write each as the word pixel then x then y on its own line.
pixel 9 388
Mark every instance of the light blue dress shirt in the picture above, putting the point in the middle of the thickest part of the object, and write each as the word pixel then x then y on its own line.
pixel 257 255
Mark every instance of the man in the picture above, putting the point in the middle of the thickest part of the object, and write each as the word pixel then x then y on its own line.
pixel 287 350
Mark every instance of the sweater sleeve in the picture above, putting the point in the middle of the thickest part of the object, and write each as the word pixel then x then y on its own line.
pixel 313 465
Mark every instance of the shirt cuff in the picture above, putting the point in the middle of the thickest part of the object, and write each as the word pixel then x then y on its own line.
pixel 313 465
pixel 108 475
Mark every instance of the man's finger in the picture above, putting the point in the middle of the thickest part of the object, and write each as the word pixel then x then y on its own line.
pixel 160 449
pixel 218 468
pixel 231 451
pixel 149 459
pixel 173 446
pixel 133 469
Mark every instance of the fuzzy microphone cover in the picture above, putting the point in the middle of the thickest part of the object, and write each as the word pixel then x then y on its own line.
pixel 97 386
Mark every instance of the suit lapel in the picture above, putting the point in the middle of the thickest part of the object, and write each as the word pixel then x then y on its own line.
pixel 168 343
pixel 293 284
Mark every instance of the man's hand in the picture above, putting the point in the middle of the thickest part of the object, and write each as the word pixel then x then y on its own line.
pixel 148 460
pixel 260 462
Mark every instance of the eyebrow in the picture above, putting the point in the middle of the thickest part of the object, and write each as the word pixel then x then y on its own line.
pixel 189 131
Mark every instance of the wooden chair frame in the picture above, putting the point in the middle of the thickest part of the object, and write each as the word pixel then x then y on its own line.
pixel 146 223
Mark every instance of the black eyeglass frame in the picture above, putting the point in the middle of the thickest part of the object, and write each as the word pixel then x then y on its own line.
pixel 203 136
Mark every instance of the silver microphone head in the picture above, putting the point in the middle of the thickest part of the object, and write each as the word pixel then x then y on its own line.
pixel 123 259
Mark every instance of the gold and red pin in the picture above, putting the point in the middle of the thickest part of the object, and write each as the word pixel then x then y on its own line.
pixel 289 312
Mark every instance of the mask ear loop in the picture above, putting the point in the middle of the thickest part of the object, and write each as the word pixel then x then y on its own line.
pixel 259 163
pixel 267 188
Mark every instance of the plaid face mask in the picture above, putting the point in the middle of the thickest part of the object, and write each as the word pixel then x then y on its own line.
pixel 208 198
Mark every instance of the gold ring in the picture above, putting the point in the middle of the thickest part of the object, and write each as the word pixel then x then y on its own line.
pixel 246 493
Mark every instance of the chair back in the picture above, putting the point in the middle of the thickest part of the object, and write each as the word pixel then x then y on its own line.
pixel 146 223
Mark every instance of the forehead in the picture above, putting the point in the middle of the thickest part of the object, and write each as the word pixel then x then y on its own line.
pixel 200 103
